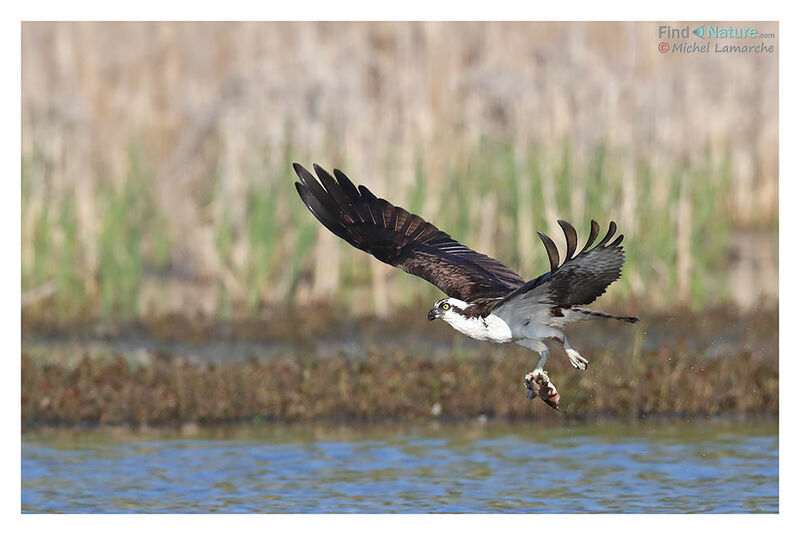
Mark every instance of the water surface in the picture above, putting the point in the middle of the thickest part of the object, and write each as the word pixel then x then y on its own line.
pixel 709 466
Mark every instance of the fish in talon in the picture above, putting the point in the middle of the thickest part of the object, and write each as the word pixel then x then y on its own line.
pixel 539 385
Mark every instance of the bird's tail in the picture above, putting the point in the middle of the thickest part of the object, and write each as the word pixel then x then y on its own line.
pixel 597 314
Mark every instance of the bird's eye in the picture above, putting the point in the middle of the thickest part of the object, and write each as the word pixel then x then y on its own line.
pixel 446 306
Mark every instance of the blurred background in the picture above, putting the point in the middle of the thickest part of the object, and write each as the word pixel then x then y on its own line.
pixel 172 277
pixel 157 159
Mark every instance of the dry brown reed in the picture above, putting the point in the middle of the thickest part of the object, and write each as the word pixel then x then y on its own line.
pixel 156 157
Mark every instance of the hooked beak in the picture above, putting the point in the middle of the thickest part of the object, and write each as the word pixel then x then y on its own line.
pixel 434 314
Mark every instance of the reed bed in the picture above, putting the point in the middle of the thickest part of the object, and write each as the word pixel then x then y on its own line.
pixel 389 387
pixel 156 174
pixel 678 366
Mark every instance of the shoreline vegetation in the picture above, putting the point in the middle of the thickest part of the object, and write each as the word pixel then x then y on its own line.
pixel 682 366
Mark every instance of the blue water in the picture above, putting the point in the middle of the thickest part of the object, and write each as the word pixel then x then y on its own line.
pixel 666 468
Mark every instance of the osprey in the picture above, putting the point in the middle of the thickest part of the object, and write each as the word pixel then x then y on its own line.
pixel 486 300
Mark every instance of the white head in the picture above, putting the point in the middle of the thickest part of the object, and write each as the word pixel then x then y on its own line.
pixel 449 309
pixel 490 328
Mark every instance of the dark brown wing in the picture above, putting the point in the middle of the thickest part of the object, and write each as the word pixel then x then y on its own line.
pixel 580 279
pixel 401 239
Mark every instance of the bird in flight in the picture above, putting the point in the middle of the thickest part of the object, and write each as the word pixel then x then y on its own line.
pixel 486 300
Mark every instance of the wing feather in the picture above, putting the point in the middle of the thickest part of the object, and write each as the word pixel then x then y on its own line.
pixel 593 232
pixel 612 228
pixel 579 280
pixel 552 251
pixel 572 238
pixel 402 239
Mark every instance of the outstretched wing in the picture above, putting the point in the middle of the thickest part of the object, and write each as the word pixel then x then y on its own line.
pixel 582 278
pixel 401 239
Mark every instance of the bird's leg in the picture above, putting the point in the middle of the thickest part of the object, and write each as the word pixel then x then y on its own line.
pixel 544 354
pixel 575 358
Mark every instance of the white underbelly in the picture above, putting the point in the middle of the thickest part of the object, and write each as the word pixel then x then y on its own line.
pixel 536 324
pixel 488 329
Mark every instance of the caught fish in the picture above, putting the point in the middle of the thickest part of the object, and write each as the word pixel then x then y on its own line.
pixel 539 385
